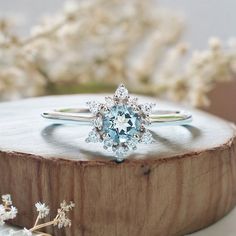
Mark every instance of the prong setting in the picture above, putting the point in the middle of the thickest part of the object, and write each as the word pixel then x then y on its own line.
pixel 120 123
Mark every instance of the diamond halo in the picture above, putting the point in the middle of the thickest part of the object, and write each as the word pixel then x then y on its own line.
pixel 120 123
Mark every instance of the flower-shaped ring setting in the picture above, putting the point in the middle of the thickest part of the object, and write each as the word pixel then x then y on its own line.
pixel 120 123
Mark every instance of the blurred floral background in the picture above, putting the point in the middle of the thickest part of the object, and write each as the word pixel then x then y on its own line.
pixel 180 51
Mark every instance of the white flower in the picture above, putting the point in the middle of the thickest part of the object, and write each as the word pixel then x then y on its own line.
pixel 214 43
pixel 2 209
pixel 67 207
pixel 27 232
pixel 11 214
pixel 232 43
pixel 7 199
pixel 2 215
pixel 12 232
pixel 62 220
pixel 71 7
pixel 42 209
pixel 2 220
pixel 146 53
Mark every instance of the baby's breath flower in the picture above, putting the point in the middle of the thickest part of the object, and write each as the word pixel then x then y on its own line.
pixel 7 211
pixel 214 43
pixel 12 232
pixel 27 232
pixel 2 221
pixel 6 199
pixel 11 213
pixel 73 30
pixel 147 55
pixel 67 207
pixel 42 209
pixel 71 7
pixel 62 220
pixel 2 215
pixel 2 209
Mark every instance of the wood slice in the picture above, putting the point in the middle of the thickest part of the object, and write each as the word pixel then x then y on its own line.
pixel 183 182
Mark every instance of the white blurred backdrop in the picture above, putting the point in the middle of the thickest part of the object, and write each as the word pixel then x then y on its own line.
pixel 204 18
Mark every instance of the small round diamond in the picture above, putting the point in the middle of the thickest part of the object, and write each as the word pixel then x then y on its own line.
pixel 121 92
pixel 109 101
pixel 147 107
pixel 108 142
pixel 93 137
pixel 147 138
pixel 120 153
pixel 94 106
pixel 98 122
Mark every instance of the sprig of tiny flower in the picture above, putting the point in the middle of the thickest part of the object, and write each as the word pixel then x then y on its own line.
pixel 95 49
pixel 61 219
pixel 7 210
pixel 131 42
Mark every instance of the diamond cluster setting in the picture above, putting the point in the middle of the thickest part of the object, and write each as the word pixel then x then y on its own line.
pixel 120 123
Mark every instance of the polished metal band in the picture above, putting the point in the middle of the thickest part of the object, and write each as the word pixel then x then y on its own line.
pixel 83 115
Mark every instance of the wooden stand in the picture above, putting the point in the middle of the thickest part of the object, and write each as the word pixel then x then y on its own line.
pixel 183 182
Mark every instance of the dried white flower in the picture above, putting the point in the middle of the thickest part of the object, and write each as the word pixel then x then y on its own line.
pixel 62 220
pixel 6 199
pixel 215 43
pixel 71 7
pixel 67 207
pixel 11 213
pixel 27 232
pixel 42 209
pixel 2 215
pixel 134 42
pixel 2 209
pixel 11 232
pixel 104 43
pixel 7 211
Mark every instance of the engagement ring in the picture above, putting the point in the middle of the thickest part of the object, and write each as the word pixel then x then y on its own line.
pixel 120 123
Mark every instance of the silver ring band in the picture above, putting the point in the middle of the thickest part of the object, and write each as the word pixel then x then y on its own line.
pixel 83 115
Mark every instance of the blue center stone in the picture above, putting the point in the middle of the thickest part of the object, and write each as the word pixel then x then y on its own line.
pixel 121 123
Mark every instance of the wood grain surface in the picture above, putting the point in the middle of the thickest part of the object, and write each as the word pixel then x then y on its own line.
pixel 183 182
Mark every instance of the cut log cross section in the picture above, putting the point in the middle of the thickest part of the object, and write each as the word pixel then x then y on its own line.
pixel 184 181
